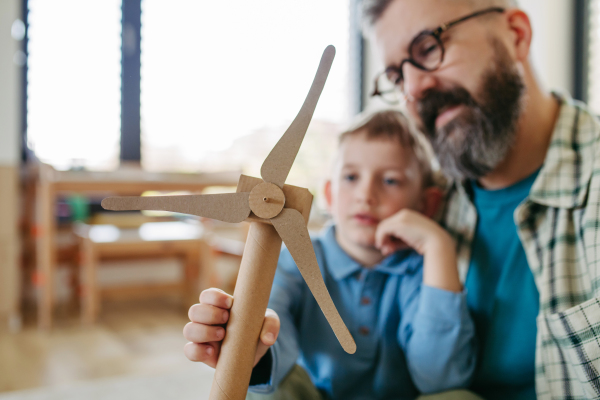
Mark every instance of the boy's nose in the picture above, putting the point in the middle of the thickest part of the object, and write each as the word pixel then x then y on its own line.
pixel 367 192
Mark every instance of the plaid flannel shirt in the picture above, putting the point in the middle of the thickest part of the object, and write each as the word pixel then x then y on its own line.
pixel 559 227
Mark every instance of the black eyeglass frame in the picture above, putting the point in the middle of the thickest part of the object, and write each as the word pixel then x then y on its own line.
pixel 436 33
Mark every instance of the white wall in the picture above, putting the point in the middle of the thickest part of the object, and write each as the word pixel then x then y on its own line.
pixel 552 47
pixel 551 53
pixel 9 85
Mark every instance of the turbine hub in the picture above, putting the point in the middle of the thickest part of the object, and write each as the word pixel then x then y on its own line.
pixel 266 200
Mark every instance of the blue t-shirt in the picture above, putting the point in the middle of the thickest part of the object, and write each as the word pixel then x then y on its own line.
pixel 502 296
pixel 410 338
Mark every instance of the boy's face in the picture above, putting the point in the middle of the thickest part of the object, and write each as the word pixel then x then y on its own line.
pixel 372 180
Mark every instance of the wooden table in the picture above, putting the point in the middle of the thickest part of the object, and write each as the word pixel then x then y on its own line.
pixel 125 182
pixel 153 240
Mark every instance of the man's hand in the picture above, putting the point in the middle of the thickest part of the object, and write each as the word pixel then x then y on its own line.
pixel 413 229
pixel 207 328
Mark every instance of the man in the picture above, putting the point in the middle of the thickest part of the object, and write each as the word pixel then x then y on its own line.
pixel 524 207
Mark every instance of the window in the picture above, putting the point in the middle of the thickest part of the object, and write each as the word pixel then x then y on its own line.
pixel 74 61
pixel 221 81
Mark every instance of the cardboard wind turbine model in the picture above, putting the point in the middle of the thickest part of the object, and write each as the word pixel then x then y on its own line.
pixel 276 212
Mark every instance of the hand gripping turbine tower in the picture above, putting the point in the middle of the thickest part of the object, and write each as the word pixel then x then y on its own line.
pixel 276 212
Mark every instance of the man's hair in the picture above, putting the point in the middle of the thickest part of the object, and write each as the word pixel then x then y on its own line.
pixel 393 125
pixel 372 10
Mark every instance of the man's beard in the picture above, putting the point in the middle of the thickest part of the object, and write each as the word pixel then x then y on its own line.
pixel 478 139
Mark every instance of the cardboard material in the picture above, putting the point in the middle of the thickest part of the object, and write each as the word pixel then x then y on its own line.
pixel 278 163
pixel 266 200
pixel 290 226
pixel 251 297
pixel 295 197
pixel 276 211
pixel 228 207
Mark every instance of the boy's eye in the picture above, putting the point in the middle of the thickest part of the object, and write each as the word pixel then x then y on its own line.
pixel 392 181
pixel 350 177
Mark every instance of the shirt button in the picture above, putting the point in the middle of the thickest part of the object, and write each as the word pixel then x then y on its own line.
pixel 365 301
pixel 363 330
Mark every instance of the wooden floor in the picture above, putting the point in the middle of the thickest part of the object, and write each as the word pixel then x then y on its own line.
pixel 132 337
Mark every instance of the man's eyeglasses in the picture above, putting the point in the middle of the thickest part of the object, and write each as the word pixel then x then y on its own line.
pixel 426 52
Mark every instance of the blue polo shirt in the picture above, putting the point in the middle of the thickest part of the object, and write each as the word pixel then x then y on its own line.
pixel 410 338
pixel 502 297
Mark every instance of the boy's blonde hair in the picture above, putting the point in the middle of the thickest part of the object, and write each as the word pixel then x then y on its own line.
pixel 393 125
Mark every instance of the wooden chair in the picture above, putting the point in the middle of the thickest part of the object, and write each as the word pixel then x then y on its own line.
pixel 150 241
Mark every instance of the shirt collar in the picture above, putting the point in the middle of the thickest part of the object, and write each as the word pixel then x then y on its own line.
pixel 563 179
pixel 341 265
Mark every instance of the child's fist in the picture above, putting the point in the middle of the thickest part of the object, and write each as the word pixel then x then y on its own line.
pixel 207 328
pixel 409 227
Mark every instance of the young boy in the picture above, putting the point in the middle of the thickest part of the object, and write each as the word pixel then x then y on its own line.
pixel 391 273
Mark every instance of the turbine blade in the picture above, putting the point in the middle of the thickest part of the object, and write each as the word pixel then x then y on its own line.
pixel 290 226
pixel 278 163
pixel 227 207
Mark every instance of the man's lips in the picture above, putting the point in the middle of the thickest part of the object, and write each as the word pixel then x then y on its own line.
pixel 447 115
pixel 366 219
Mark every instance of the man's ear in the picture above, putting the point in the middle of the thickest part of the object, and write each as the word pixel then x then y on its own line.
pixel 327 191
pixel 520 26
pixel 431 201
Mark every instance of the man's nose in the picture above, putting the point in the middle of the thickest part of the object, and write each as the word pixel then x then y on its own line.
pixel 417 81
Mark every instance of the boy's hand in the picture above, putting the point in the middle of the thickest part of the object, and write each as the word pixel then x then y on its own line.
pixel 207 329
pixel 409 227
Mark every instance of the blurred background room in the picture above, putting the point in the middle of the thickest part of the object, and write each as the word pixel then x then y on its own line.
pixel 146 97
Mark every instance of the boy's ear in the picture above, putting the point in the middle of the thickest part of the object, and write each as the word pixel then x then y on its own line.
pixel 328 194
pixel 432 199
